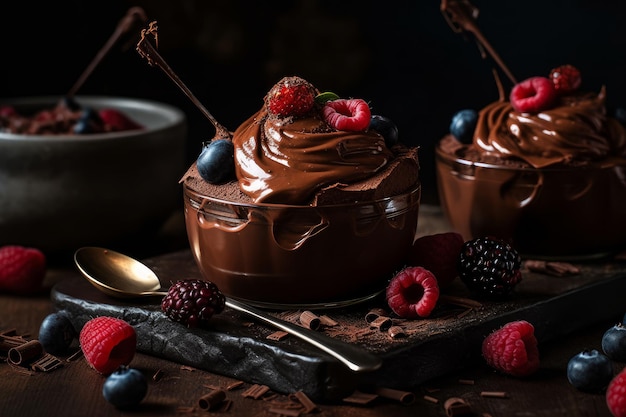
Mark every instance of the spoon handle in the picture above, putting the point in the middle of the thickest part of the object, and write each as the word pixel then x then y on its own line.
pixel 354 357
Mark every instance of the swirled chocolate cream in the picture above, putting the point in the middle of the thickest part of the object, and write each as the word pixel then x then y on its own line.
pixel 545 169
pixel 312 199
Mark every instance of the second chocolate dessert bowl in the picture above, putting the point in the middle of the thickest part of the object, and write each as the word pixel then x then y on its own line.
pixel 543 167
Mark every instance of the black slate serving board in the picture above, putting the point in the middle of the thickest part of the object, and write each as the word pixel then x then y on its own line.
pixel 449 340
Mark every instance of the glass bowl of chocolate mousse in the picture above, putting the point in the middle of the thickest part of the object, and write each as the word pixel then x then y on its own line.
pixel 87 170
pixel 321 207
pixel 550 180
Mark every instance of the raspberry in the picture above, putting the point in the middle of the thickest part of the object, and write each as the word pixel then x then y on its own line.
pixel 616 395
pixel 533 95
pixel 413 292
pixel 22 269
pixel 512 349
pixel 193 302
pixel 439 254
pixel 489 267
pixel 108 343
pixel 565 78
pixel 116 121
pixel 291 96
pixel 351 115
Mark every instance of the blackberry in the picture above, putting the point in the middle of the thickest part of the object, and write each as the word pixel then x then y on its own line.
pixel 489 267
pixel 193 302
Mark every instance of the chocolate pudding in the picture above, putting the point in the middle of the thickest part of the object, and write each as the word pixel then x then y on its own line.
pixel 550 180
pixel 315 216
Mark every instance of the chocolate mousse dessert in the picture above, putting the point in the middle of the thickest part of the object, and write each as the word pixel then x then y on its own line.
pixel 311 200
pixel 542 167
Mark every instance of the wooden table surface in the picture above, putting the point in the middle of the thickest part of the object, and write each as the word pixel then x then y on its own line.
pixel 75 389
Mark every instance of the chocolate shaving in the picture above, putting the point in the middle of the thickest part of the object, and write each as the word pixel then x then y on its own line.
pixel 26 353
pixel 310 320
pixel 256 391
pixel 305 401
pixel 558 269
pixel 212 400
pixel 396 332
pixel 494 394
pixel 74 355
pixel 374 313
pixel 358 397
pixel 46 363
pixel 404 397
pixel 234 385
pixel 277 335
pixel 431 399
pixel 157 375
pixel 455 406
pixel 381 323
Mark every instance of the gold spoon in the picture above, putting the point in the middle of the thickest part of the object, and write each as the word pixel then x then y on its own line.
pixel 121 276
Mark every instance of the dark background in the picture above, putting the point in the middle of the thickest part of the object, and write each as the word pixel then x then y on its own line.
pixel 401 56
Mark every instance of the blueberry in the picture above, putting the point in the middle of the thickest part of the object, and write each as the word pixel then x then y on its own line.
pixel 463 125
pixel 83 126
pixel 387 129
pixel 56 333
pixel 590 371
pixel 614 343
pixel 125 388
pixel 216 163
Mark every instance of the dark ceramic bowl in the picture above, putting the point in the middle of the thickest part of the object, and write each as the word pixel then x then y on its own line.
pixel 64 191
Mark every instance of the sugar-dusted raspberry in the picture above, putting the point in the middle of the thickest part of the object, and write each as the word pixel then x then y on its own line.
pixel 439 254
pixel 413 292
pixel 616 395
pixel 348 114
pixel 533 95
pixel 512 349
pixel 566 79
pixel 108 343
pixel 291 96
pixel 193 302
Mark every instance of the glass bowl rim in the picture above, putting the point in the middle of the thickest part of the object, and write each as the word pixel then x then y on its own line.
pixel 414 190
pixel 592 165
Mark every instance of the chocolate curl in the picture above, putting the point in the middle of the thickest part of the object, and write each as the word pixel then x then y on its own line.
pixel 461 15
pixel 403 397
pixel 455 406
pixel 302 398
pixel 374 313
pixel 381 323
pixel 212 400
pixel 310 320
pixel 396 332
pixel 26 353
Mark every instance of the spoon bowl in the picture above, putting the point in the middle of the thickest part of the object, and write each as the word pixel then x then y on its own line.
pixel 121 276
